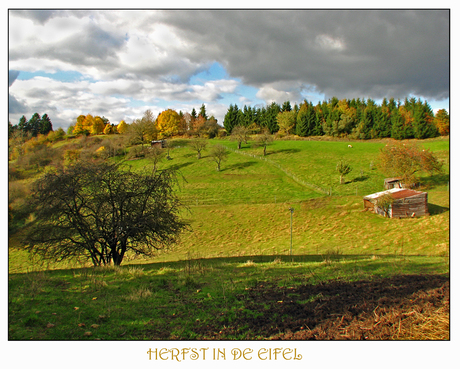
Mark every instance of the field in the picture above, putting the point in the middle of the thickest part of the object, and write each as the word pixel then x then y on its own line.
pixel 347 274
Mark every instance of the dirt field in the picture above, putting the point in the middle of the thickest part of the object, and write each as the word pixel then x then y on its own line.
pixel 412 307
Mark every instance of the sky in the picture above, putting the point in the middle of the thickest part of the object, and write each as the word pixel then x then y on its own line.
pixel 119 63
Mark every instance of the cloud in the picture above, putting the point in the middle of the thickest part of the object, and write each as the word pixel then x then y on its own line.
pixel 12 75
pixel 151 57
pixel 338 52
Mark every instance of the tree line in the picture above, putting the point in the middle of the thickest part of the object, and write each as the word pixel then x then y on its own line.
pixel 33 127
pixel 355 118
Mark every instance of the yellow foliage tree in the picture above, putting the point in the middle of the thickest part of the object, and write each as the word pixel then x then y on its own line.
pixel 83 125
pixel 168 123
pixel 442 122
pixel 108 129
pixel 98 126
pixel 122 127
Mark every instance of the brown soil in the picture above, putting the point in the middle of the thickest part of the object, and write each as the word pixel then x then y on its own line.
pixel 408 307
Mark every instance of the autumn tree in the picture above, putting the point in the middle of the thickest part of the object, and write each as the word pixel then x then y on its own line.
pixel 442 122
pixel 108 130
pixel 98 126
pixel 286 121
pixel 168 123
pixel 83 125
pixel 122 127
pixel 101 211
pixel 406 160
pixel 143 130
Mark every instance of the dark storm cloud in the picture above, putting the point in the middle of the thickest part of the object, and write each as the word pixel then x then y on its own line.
pixel 343 53
pixel 37 16
pixel 14 106
pixel 12 75
pixel 90 46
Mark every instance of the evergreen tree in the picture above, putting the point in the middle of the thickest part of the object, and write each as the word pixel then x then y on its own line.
pixel 318 130
pixel 286 106
pixel 34 124
pixel 423 121
pixel 270 117
pixel 397 125
pixel 193 113
pixel 45 125
pixel 23 125
pixel 302 121
pixel 231 118
pixel 203 112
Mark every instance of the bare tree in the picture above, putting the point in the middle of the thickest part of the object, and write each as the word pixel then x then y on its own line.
pixel 155 154
pixel 218 154
pixel 240 134
pixel 198 144
pixel 264 139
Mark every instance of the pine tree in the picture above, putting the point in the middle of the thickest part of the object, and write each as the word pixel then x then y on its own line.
pixel 45 125
pixel 302 121
pixel 231 118
pixel 34 124
pixel 203 112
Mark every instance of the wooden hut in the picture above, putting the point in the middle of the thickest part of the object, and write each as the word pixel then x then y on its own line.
pixel 398 203
pixel 159 143
pixel 392 183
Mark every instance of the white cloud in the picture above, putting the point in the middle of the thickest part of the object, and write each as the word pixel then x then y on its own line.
pixel 150 56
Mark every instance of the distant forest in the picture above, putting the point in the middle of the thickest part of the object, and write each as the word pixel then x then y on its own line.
pixel 356 118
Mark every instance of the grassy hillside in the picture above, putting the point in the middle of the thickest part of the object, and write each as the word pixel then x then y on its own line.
pixel 244 208
pixel 209 285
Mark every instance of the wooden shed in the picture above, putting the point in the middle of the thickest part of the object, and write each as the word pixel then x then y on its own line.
pixel 390 183
pixel 159 143
pixel 393 183
pixel 405 203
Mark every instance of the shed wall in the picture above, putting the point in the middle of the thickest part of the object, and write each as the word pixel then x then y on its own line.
pixel 416 205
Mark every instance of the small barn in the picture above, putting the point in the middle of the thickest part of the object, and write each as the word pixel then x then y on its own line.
pixel 390 183
pixel 393 183
pixel 159 143
pixel 398 203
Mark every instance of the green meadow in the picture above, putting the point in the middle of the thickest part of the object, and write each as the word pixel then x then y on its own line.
pixel 240 236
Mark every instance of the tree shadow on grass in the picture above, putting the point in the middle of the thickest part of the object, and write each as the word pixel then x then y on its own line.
pixel 283 151
pixel 238 166
pixel 360 179
pixel 177 167
pixel 435 180
pixel 436 209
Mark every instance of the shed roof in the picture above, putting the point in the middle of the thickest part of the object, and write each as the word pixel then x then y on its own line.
pixel 395 179
pixel 396 193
